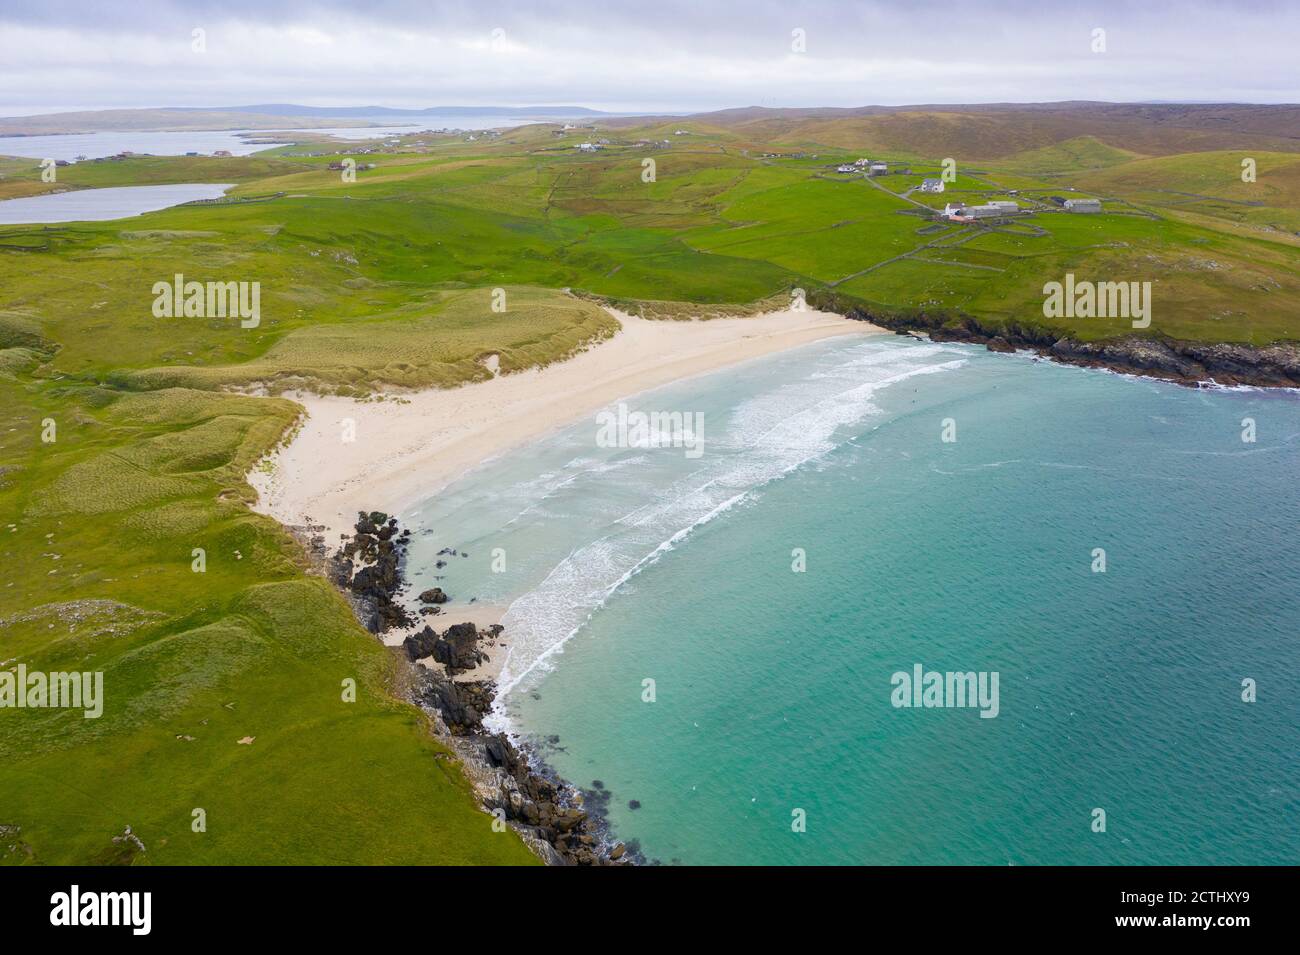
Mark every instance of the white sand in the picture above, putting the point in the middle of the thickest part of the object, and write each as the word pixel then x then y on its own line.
pixel 413 444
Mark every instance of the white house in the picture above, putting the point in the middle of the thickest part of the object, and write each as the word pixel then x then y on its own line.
pixel 932 185
pixel 588 147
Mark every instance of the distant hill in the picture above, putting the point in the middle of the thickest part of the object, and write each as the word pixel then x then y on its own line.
pixel 998 130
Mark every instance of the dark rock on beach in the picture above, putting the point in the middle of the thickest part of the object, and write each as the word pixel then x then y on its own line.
pixel 434 595
pixel 457 648
pixel 420 645
pixel 369 567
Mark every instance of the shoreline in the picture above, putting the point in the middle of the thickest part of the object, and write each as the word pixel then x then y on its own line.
pixel 409 446
pixel 321 489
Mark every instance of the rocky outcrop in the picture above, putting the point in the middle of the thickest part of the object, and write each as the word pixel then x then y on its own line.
pixel 420 645
pixel 462 706
pixel 1144 357
pixel 369 567
pixel 457 648
pixel 434 595
pixel 1277 366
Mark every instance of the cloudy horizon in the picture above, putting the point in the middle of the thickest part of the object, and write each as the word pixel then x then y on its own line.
pixel 671 56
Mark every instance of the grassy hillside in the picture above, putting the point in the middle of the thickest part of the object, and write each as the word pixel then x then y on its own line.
pixel 97 533
pixel 1210 185
pixel 388 282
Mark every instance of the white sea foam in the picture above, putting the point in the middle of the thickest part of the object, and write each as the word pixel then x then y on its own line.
pixel 535 493
pixel 765 437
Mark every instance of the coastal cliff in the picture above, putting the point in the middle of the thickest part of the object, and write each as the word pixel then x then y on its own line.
pixel 1185 362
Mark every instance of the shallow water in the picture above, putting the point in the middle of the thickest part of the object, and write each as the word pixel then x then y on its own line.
pixel 71 146
pixel 1118 690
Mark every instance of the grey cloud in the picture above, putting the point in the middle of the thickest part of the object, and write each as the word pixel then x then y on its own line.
pixel 650 55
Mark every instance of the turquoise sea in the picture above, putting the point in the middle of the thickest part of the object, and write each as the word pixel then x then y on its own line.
pixel 1119 690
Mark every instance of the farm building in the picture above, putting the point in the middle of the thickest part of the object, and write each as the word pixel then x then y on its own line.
pixel 588 147
pixel 953 208
pixel 1005 205
pixel 1083 205
pixel 878 169
pixel 989 210
pixel 932 185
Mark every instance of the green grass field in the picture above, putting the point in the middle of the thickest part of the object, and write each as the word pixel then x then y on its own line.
pixel 388 282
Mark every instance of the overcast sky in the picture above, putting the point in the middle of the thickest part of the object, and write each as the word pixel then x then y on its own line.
pixel 640 56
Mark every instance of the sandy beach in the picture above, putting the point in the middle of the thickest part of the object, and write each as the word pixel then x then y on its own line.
pixel 410 445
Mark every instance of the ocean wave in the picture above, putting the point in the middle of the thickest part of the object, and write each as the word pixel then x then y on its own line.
pixel 535 493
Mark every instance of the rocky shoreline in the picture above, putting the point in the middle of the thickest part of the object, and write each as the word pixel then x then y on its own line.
pixel 556 820
pixel 1187 363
